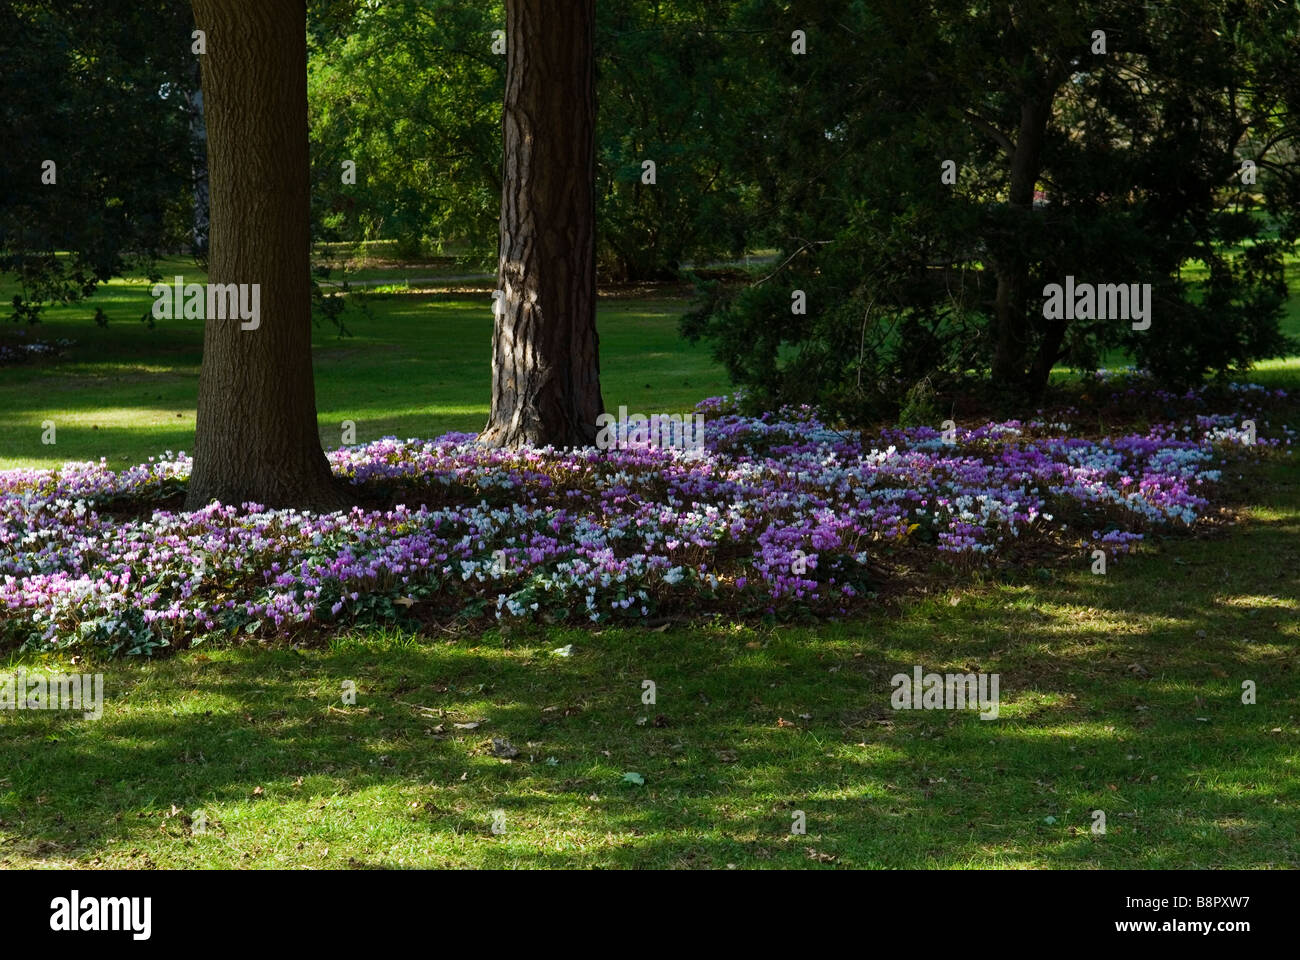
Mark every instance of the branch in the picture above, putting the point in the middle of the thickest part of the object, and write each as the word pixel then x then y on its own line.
pixel 997 135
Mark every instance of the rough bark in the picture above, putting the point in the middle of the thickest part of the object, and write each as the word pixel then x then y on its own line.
pixel 545 364
pixel 256 433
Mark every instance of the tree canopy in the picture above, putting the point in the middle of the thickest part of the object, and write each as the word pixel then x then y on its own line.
pixel 99 156
pixel 1101 141
pixel 922 174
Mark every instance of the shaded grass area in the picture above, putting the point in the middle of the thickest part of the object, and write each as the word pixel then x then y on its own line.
pixel 1119 693
pixel 416 366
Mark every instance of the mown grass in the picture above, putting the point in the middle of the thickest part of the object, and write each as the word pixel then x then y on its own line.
pixel 417 365
pixel 1119 693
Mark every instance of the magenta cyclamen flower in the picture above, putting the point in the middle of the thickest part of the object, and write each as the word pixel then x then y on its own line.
pixel 776 511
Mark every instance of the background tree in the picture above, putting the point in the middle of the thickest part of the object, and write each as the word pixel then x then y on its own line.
pixel 545 363
pixel 256 434
pixel 411 91
pixel 676 88
pixel 1118 167
pixel 101 88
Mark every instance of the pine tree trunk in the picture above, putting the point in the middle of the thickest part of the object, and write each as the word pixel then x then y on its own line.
pixel 545 364
pixel 256 434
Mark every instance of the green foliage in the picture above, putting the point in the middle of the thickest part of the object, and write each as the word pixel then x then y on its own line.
pixel 832 157
pixel 920 406
pixel 99 87
pixel 673 88
pixel 1129 174
pixel 411 92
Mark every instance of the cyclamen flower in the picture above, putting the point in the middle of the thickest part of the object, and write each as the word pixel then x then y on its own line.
pixel 779 506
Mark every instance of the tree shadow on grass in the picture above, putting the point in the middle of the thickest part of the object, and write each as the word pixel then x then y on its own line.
pixel 1120 694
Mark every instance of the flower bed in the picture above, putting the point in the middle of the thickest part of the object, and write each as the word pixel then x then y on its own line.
pixel 778 514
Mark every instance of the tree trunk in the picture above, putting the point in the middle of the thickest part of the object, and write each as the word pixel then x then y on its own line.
pixel 545 364
pixel 1049 352
pixel 1011 299
pixel 256 436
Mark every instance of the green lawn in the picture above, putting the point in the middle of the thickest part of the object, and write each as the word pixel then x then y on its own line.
pixel 1119 693
pixel 418 366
